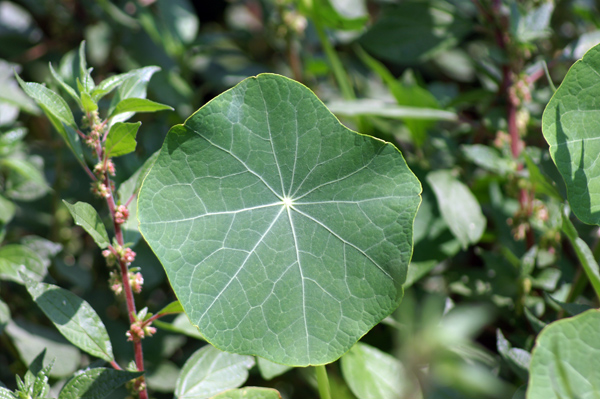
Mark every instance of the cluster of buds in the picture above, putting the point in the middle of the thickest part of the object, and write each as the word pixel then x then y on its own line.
pixel 96 129
pixel 137 385
pixel 121 214
pixel 125 254
pixel 100 189
pixel 110 257
pixel 102 168
pixel 136 281
pixel 139 330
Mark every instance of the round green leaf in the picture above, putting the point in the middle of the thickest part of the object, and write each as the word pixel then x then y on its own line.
pixel 564 363
pixel 283 233
pixel 570 124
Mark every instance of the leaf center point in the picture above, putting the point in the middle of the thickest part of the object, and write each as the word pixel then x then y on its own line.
pixel 287 202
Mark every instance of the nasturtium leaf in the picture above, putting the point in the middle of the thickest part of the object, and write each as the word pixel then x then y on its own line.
pixel 210 371
pixel 564 362
pixel 249 393
pixel 86 216
pixel 96 383
pixel 283 233
pixel 121 139
pixel 569 125
pixel 373 374
pixel 458 206
pixel 138 105
pixel 76 320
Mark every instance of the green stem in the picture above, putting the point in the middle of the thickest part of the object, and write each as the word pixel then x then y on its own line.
pixel 323 382
pixel 338 70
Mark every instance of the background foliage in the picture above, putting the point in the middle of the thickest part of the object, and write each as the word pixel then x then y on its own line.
pixel 459 86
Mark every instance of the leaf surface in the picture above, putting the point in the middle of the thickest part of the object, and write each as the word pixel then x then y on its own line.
pixel 97 383
pixel 278 224
pixel 121 139
pixel 76 320
pixel 15 258
pixel 210 371
pixel 564 359
pixel 569 125
pixel 138 105
pixel 86 216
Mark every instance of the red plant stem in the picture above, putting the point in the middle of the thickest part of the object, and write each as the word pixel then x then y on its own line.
pixel 115 365
pixel 516 146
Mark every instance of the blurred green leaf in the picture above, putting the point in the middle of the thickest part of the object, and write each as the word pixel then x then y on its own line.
pixel 249 393
pixel 517 359
pixel 15 258
pixel 489 158
pixel 458 206
pixel 210 371
pixel 413 31
pixel 269 370
pixel 73 317
pixel 337 14
pixel 86 216
pixel 388 110
pixel 373 374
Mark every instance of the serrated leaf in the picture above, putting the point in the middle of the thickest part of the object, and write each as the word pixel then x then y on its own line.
pixel 86 216
pixel 210 371
pixel 138 105
pixel 564 359
pixel 264 204
pixel 458 206
pixel 373 374
pixel 569 125
pixel 97 383
pixel 249 393
pixel 15 258
pixel 49 101
pixel 76 320
pixel 121 139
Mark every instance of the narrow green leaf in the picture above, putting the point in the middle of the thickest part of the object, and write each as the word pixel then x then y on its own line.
pixel 173 307
pixel 209 371
pixel 388 110
pixel 86 216
pixel 97 383
pixel 540 182
pixel 180 325
pixel 265 181
pixel 373 374
pixel 49 101
pixel 133 87
pixel 15 258
pixel 572 309
pixel 517 359
pixel 73 317
pixel 109 84
pixel 4 315
pixel 564 359
pixel 85 74
pixel 249 393
pixel 458 206
pixel 70 91
pixel 138 105
pixel 121 139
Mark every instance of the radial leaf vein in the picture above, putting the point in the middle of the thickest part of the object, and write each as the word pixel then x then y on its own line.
pixel 215 214
pixel 243 263
pixel 343 240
